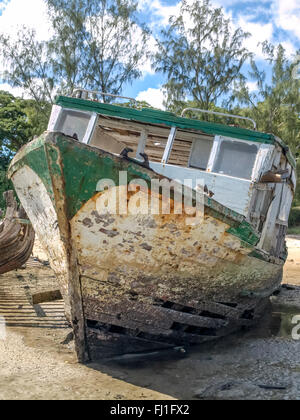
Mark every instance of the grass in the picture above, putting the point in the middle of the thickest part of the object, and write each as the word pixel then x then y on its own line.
pixel 295 230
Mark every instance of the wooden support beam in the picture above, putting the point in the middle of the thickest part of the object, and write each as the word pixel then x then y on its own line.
pixel 142 144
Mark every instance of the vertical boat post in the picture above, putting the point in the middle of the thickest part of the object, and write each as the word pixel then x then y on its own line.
pixel 169 146
pixel 90 128
pixel 142 144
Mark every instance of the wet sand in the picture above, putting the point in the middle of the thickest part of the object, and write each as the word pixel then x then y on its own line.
pixel 292 266
pixel 37 358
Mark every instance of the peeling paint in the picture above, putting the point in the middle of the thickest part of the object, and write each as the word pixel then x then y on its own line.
pixel 149 277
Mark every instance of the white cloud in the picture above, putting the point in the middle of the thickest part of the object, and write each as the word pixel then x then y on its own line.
pixel 16 91
pixel 287 15
pixel 15 15
pixel 260 32
pixel 146 67
pixel 31 13
pixel 252 86
pixel 163 13
pixel 289 48
pixel 154 97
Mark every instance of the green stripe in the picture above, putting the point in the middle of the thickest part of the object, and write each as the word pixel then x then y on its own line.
pixel 83 166
pixel 153 116
pixel 33 155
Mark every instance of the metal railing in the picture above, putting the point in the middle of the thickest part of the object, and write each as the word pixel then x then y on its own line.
pixel 218 113
pixel 85 94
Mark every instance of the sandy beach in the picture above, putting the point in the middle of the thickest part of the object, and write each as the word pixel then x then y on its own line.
pixel 37 359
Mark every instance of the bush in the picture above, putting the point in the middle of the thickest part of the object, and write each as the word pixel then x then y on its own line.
pixel 294 219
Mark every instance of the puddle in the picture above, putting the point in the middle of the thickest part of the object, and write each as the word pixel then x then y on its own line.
pixel 283 321
pixel 280 321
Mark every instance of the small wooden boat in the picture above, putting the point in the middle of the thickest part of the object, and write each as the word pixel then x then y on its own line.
pixel 136 278
pixel 16 236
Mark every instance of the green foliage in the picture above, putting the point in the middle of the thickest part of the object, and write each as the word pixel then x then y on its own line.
pixel 227 120
pixel 294 230
pixel 20 121
pixel 136 104
pixel 5 185
pixel 297 193
pixel 276 105
pixel 294 219
pixel 97 44
pixel 200 54
pixel 28 65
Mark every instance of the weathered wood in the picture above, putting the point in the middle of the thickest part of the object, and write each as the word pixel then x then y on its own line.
pixel 16 239
pixel 148 317
pixel 106 345
pixel 47 296
pixel 72 279
pixel 155 130
pixel 129 133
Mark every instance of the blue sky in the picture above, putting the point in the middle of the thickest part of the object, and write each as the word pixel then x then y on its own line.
pixel 272 20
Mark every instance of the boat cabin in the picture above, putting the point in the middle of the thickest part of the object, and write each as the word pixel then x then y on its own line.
pixel 250 172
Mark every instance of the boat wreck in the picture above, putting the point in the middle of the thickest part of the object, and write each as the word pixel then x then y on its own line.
pixel 134 279
pixel 16 236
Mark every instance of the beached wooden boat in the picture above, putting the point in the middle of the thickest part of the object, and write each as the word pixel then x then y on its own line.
pixel 16 236
pixel 135 279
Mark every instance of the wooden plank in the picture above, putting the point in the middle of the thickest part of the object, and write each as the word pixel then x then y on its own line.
pixel 46 296
pixel 146 317
pixel 106 345
pixel 74 293
pixel 16 240
pixel 155 146
pixel 152 129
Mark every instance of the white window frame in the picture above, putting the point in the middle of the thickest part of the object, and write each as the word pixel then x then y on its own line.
pixel 192 151
pixel 215 150
pixel 90 128
pixel 169 145
pixel 56 116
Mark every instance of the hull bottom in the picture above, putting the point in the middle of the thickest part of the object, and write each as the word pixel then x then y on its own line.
pixel 123 329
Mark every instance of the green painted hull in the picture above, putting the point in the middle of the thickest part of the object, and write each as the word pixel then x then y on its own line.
pixel 137 282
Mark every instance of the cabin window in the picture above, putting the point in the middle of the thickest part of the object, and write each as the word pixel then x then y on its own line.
pixel 235 158
pixel 200 153
pixel 73 123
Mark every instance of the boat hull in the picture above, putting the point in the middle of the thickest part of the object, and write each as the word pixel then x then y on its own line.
pixel 134 282
pixel 16 236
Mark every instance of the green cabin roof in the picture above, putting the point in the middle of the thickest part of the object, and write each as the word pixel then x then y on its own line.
pixel 153 116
